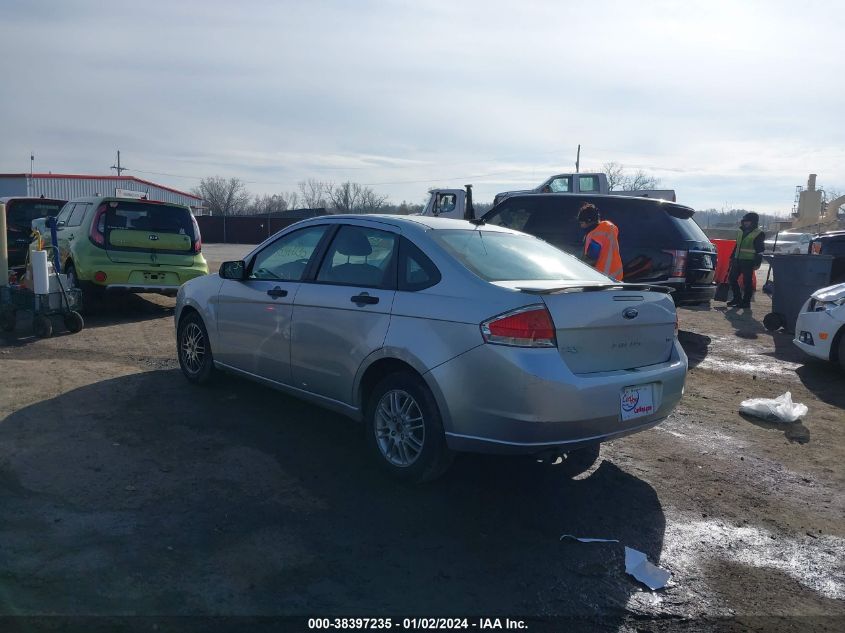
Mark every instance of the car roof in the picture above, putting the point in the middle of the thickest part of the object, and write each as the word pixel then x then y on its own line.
pixel 130 200
pixel 596 198
pixel 418 222
pixel 10 198
pixel 830 235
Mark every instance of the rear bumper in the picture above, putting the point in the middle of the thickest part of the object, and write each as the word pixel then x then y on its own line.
pixel 164 290
pixel 137 277
pixel 688 293
pixel 498 399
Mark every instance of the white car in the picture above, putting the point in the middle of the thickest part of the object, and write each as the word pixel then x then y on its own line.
pixel 820 329
pixel 792 243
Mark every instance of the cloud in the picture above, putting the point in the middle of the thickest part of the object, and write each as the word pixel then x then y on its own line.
pixel 715 98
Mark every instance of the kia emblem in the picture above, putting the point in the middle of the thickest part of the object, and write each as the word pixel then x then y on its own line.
pixel 153 237
pixel 630 313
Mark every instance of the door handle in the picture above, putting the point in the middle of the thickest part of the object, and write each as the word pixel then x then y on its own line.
pixel 277 292
pixel 364 299
pixel 70 237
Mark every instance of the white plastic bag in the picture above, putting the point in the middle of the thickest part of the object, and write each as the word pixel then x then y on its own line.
pixel 780 409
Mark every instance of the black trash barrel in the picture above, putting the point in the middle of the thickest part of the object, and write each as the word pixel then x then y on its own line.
pixel 796 278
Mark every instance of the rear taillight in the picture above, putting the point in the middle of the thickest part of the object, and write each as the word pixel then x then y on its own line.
pixel 526 327
pixel 197 236
pixel 679 263
pixel 97 233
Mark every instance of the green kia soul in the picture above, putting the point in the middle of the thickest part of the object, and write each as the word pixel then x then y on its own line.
pixel 126 244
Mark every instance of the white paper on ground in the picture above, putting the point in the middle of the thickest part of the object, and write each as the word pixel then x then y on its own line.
pixel 636 564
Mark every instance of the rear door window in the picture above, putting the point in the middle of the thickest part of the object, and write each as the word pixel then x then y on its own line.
pixel 588 184
pixel 416 270
pixel 78 213
pixel 360 256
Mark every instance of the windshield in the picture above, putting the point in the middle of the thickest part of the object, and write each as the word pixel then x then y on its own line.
pixel 496 256
pixel 21 213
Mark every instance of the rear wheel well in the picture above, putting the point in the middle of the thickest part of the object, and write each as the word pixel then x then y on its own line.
pixel 378 370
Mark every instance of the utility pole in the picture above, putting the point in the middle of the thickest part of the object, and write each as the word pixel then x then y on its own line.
pixel 578 159
pixel 117 167
pixel 31 162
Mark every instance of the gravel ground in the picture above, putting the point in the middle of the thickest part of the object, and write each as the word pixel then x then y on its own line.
pixel 126 491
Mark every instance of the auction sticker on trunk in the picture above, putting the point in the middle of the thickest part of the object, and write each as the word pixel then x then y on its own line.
pixel 637 401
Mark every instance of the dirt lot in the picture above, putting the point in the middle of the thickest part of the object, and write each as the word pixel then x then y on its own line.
pixel 126 491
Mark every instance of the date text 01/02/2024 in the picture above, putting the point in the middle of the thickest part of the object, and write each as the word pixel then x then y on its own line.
pixel 409 624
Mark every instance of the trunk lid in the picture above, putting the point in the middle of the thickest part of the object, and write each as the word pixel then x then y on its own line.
pixel 607 328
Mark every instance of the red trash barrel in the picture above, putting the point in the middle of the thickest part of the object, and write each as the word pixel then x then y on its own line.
pixel 724 248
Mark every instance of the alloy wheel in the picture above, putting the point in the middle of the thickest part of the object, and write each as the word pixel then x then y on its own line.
pixel 400 428
pixel 193 348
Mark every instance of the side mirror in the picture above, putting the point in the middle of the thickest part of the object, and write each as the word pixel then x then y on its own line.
pixel 60 224
pixel 233 270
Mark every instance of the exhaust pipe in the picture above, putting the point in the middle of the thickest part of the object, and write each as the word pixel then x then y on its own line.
pixel 469 211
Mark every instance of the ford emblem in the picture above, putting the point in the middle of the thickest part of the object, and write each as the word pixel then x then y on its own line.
pixel 630 313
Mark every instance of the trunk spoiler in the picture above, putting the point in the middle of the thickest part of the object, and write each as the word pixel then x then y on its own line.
pixel 597 287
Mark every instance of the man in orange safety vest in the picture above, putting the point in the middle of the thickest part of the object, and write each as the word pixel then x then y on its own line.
pixel 601 245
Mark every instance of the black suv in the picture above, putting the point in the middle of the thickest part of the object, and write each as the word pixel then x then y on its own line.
pixel 831 243
pixel 659 241
pixel 20 212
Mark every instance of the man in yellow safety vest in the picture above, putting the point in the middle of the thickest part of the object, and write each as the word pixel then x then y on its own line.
pixel 745 259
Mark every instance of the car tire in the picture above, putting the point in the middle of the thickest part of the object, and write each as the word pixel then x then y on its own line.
pixel 90 293
pixel 74 322
pixel 773 321
pixel 42 326
pixel 404 430
pixel 840 350
pixel 8 320
pixel 194 349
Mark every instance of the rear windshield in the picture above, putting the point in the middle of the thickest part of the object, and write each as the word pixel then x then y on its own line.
pixel 496 256
pixel 144 216
pixel 21 213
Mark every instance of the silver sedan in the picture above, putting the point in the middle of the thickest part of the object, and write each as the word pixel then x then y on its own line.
pixel 440 336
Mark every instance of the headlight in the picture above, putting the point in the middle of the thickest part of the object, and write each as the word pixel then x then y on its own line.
pixel 821 306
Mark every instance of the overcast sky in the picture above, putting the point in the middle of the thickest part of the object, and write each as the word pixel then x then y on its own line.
pixel 729 103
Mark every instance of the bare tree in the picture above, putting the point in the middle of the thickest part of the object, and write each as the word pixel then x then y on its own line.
pixel 291 198
pixel 262 205
pixel 312 193
pixel 640 180
pixel 618 180
pixel 371 202
pixel 615 175
pixel 224 196
pixel 351 197
pixel 345 197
